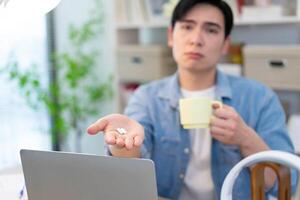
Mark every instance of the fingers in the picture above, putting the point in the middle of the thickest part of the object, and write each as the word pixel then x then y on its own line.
pixel 226 125
pixel 97 126
pixel 221 134
pixel 129 143
pixel 104 123
pixel 110 137
pixel 138 140
pixel 133 137
pixel 226 112
pixel 114 138
pixel 120 142
pixel 216 106
pixel 217 131
pixel 219 122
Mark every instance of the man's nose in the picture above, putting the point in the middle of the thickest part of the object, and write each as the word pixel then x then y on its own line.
pixel 197 38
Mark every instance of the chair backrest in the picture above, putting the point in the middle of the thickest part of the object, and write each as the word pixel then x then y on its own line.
pixel 278 157
pixel 258 180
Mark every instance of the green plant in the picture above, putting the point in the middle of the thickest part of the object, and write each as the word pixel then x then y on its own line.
pixel 75 93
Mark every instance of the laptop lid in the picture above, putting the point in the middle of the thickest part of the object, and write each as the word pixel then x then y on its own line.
pixel 69 176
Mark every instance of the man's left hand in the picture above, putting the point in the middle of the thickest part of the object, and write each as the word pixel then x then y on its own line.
pixel 228 127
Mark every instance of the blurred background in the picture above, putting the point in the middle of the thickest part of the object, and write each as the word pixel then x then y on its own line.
pixel 63 60
pixel 62 71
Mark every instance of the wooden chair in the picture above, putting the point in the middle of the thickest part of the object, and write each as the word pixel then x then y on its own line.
pixel 279 161
pixel 258 182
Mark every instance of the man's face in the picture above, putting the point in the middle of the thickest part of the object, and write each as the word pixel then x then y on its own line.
pixel 198 39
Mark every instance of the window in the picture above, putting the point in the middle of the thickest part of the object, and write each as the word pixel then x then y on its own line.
pixel 20 126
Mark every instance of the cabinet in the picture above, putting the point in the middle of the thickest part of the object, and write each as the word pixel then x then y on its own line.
pixel 140 63
pixel 142 30
pixel 276 66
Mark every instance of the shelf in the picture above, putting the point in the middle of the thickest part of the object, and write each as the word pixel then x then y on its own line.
pixel 135 29
pixel 238 22
pixel 281 20
pixel 142 25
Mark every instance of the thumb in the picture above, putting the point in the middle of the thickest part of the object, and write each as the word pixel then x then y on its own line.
pixel 215 106
pixel 98 126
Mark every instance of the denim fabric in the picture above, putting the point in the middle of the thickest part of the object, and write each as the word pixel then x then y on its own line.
pixel 155 106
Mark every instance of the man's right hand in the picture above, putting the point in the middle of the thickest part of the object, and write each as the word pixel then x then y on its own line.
pixel 121 145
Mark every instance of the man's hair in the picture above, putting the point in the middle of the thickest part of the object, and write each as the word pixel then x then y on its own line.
pixel 184 6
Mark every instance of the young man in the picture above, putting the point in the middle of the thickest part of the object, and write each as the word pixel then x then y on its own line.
pixel 192 164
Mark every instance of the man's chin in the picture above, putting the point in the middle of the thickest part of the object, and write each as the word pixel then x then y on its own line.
pixel 198 69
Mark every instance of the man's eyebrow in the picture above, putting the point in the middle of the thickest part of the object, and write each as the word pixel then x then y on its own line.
pixel 213 24
pixel 187 21
pixel 206 23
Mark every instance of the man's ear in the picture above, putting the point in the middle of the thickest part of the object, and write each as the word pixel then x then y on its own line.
pixel 226 45
pixel 170 36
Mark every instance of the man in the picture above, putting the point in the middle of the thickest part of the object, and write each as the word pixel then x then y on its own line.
pixel 192 164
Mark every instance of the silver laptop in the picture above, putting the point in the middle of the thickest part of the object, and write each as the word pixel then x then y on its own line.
pixel 68 176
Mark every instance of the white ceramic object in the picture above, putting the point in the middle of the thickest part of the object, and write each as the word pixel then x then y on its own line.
pixel 294 131
pixel 279 157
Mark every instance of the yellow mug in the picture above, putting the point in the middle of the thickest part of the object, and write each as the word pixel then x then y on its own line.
pixel 196 112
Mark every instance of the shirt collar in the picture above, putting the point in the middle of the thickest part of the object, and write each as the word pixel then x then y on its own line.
pixel 223 87
pixel 171 91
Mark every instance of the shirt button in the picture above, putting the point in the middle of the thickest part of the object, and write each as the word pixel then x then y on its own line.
pixel 181 176
pixel 186 151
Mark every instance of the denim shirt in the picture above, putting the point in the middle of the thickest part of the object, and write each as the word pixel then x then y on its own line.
pixel 155 106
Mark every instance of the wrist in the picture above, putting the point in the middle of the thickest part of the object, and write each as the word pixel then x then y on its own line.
pixel 252 143
pixel 248 140
pixel 124 152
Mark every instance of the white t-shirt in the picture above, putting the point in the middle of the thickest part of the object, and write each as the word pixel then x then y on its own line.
pixel 198 184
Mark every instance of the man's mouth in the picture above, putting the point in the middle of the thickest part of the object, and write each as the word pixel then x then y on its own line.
pixel 194 55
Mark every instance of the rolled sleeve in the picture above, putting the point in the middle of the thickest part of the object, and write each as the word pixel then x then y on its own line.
pixel 271 127
pixel 138 110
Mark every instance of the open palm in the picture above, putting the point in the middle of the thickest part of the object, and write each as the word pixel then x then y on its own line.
pixel 110 124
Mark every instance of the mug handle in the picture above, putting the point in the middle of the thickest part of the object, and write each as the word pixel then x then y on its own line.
pixel 219 103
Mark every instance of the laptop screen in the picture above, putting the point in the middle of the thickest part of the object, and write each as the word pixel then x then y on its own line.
pixel 68 176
